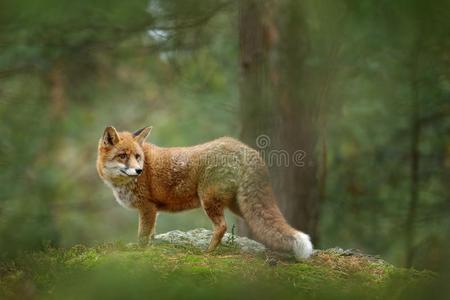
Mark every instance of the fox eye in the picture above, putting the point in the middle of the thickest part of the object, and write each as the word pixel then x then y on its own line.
pixel 138 157
pixel 122 156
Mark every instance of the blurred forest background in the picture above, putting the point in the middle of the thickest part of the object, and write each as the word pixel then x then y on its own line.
pixel 361 87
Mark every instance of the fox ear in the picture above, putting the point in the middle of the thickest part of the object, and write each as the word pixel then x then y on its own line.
pixel 141 134
pixel 110 136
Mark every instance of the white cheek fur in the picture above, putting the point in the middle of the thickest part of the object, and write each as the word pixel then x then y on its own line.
pixel 112 169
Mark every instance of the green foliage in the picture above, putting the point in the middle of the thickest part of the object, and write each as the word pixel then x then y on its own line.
pixel 28 187
pixel 382 75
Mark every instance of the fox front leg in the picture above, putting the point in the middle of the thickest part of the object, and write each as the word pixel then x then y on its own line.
pixel 147 220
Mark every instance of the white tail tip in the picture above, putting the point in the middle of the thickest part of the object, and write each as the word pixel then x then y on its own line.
pixel 302 247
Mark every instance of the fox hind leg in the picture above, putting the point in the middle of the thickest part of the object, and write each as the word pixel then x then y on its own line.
pixel 215 211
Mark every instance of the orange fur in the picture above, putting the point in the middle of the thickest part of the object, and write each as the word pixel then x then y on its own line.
pixel 223 173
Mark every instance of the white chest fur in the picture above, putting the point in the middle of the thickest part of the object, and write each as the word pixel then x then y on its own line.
pixel 124 195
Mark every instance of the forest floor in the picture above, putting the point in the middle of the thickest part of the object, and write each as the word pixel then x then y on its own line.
pixel 170 271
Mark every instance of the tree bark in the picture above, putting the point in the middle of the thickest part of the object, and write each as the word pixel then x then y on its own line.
pixel 272 61
pixel 411 217
pixel 297 186
pixel 256 101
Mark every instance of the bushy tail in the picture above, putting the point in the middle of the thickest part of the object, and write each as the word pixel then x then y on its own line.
pixel 259 209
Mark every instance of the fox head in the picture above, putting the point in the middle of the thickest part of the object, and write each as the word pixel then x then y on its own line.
pixel 120 154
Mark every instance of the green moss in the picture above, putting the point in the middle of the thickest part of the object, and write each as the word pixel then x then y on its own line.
pixel 173 271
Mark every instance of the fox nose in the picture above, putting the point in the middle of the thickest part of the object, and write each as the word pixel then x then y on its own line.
pixel 139 171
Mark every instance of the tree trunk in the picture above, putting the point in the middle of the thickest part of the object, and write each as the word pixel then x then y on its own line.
pixel 297 185
pixel 256 101
pixel 410 231
pixel 273 104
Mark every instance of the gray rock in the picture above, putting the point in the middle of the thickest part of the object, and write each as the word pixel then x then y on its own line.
pixel 200 238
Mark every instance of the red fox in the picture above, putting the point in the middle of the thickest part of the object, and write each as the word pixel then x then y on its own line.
pixel 223 173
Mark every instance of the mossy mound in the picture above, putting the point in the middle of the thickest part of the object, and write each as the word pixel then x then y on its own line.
pixel 179 271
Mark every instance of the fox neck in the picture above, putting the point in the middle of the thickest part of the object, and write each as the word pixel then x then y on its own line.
pixel 124 193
